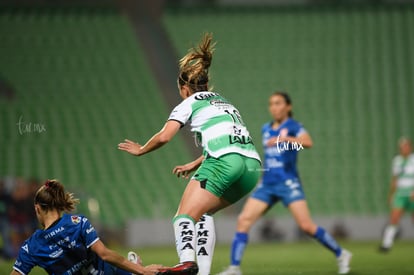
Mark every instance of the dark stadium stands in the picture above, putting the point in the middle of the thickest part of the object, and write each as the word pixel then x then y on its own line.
pixel 81 74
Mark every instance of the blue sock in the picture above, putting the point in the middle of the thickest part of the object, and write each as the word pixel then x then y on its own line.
pixel 239 244
pixel 328 241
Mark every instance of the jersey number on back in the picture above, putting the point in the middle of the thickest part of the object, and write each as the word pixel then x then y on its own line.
pixel 235 116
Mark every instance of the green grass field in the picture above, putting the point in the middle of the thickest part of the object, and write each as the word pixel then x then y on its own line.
pixel 297 258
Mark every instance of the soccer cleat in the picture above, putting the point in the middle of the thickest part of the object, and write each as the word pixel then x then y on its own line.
pixel 187 268
pixel 134 258
pixel 231 270
pixel 344 261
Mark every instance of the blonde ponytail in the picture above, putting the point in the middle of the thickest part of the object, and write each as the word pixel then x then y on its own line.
pixel 195 64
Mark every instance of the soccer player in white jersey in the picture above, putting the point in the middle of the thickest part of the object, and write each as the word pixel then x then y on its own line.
pixel 227 170
pixel 401 195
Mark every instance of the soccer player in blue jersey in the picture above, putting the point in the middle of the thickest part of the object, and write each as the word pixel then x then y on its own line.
pixel 282 139
pixel 68 244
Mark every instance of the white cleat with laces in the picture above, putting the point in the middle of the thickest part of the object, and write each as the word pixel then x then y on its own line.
pixel 231 270
pixel 344 261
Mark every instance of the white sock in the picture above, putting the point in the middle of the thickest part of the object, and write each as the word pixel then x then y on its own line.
pixel 206 240
pixel 389 235
pixel 185 239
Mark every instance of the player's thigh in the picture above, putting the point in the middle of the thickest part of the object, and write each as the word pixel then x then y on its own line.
pixel 301 214
pixel 196 201
pixel 253 209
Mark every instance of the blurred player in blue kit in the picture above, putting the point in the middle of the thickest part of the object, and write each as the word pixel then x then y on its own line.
pixel 283 138
pixel 69 244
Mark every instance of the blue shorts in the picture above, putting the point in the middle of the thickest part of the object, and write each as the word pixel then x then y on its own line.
pixel 287 192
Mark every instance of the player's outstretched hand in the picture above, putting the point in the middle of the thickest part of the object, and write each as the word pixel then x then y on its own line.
pixel 185 170
pixel 152 269
pixel 131 147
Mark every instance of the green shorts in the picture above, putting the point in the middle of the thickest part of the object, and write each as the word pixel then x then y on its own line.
pixel 403 200
pixel 230 177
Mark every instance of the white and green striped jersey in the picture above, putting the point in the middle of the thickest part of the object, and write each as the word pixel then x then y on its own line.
pixel 403 169
pixel 217 124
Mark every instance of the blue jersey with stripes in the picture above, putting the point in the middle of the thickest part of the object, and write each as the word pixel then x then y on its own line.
pixel 281 156
pixel 63 248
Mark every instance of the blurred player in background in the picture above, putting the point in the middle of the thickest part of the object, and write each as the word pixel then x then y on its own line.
pixel 283 138
pixel 227 171
pixel 68 244
pixel 401 197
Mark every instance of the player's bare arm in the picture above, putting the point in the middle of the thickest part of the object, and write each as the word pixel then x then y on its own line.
pixel 169 130
pixel 117 260
pixel 185 170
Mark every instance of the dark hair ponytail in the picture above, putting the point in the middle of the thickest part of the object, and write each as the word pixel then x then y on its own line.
pixel 286 97
pixel 52 196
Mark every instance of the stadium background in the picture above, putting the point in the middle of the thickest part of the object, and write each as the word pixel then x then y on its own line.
pixel 92 73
